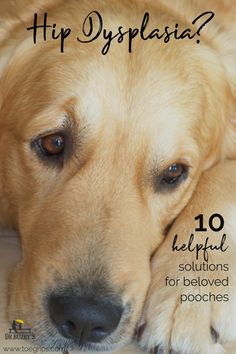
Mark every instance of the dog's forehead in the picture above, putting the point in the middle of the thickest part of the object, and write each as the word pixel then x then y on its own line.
pixel 143 99
pixel 131 89
pixel 143 95
pixel 139 106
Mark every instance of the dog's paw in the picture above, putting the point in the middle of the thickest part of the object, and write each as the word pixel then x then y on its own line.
pixel 171 327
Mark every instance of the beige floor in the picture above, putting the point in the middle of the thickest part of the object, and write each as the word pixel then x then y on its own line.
pixel 9 254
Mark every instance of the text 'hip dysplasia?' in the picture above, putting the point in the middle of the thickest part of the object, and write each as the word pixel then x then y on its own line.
pixel 93 28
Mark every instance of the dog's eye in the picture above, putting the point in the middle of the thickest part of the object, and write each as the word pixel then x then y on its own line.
pixel 173 173
pixel 171 177
pixel 51 148
pixel 52 145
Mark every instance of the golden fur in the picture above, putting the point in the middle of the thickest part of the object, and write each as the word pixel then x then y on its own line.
pixel 186 327
pixel 131 117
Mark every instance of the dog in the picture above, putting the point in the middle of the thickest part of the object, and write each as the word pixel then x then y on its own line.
pixel 222 184
pixel 196 318
pixel 102 145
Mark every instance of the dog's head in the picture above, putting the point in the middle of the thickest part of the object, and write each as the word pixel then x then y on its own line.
pixel 99 154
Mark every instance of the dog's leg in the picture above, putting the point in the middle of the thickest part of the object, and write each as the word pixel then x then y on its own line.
pixel 184 314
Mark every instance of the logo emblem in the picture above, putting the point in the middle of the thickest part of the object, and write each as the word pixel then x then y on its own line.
pixel 19 330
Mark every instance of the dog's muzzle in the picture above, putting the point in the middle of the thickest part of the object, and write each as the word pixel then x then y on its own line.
pixel 85 319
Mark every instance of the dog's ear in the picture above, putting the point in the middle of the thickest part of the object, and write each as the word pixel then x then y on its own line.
pixel 218 135
pixel 228 57
pixel 15 12
pixel 223 131
pixel 229 146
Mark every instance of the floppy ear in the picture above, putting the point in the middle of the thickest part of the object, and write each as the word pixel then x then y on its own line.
pixel 216 124
pixel 226 45
pixel 17 11
pixel 229 147
pixel 221 106
pixel 219 84
pixel 219 75
pixel 12 14
pixel 228 58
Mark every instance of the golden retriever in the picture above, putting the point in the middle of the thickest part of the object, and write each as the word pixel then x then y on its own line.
pixel 102 145
pixel 196 318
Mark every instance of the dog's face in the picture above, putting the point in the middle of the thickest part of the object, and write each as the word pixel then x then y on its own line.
pixel 99 155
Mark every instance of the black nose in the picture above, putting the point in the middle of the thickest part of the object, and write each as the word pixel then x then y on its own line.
pixel 84 319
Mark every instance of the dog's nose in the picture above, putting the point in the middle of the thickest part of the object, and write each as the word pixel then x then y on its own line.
pixel 83 318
